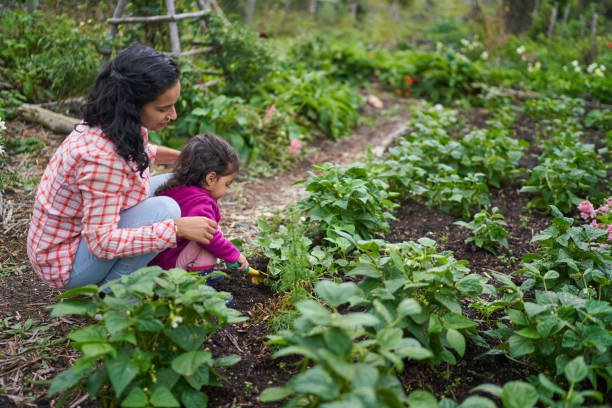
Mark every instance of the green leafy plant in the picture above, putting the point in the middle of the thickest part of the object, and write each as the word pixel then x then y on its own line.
pixel 318 103
pixel 242 57
pixel 564 176
pixel 343 362
pixel 487 230
pixel 348 199
pixel 557 327
pixel 457 195
pixel 419 290
pixel 570 255
pixel 46 56
pixel 145 347
pixel 446 76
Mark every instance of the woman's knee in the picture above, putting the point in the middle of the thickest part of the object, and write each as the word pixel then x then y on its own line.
pixel 167 207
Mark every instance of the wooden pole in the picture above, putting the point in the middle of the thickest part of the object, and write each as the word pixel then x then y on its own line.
pixel 594 37
pixel 566 12
pixel 553 19
pixel 113 32
pixel 250 12
pixel 157 19
pixel 312 8
pixel 174 36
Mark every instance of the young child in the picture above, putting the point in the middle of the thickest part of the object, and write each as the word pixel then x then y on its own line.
pixel 202 175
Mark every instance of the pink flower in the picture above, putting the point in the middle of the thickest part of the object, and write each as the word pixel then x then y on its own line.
pixel 269 113
pixel 294 147
pixel 586 210
pixel 595 224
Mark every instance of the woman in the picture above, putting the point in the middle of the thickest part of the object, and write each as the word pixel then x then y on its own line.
pixel 94 216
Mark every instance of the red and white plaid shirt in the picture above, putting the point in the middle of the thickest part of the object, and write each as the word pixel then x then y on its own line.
pixel 82 191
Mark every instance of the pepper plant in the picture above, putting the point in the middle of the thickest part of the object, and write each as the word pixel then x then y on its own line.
pixel 144 347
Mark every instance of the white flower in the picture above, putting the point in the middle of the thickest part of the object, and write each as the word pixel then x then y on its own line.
pixel 176 320
pixel 591 67
pixel 602 67
pixel 484 55
pixel 520 49
pixel 439 107
pixel 598 72
pixel 2 125
pixel 575 63
pixel 465 42
pixel 439 46
pixel 577 68
pixel 1 150
pixel 565 68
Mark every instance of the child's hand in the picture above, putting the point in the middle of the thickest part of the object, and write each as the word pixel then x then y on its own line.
pixel 243 262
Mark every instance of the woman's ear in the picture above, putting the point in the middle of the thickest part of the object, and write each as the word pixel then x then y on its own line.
pixel 210 178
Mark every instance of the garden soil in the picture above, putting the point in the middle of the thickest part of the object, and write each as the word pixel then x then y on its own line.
pixel 31 356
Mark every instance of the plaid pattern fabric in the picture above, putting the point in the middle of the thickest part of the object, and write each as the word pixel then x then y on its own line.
pixel 82 191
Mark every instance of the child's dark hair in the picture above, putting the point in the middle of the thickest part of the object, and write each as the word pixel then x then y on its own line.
pixel 135 77
pixel 202 155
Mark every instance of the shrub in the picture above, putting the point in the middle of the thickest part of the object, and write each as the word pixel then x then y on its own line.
pixel 145 345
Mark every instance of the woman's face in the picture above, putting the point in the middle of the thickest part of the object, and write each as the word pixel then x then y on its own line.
pixel 156 114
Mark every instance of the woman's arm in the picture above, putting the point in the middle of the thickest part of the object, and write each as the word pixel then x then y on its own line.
pixel 166 155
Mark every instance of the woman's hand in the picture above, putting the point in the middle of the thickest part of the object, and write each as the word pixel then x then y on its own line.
pixel 200 229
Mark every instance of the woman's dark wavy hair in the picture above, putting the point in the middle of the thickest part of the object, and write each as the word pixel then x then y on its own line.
pixel 135 77
pixel 202 155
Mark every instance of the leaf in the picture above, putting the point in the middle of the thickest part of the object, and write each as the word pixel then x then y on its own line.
pixel 73 307
pixel 275 394
pixel 456 341
pixel 520 346
pixel 115 321
pixel 199 378
pixel 576 370
pixel 162 397
pixel 187 363
pixel 316 381
pixel 365 269
pixel 121 372
pixel 187 337
pixel 90 334
pixel 518 394
pixel 66 379
pixel 529 333
pixel 477 402
pixel 492 389
pixel 533 309
pixel 409 307
pixel 135 399
pixel 227 361
pixel 335 293
pixel 457 321
pixel 193 399
pixel 313 311
pixel 422 399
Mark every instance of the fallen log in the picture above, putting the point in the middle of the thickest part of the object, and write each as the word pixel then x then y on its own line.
pixel 55 121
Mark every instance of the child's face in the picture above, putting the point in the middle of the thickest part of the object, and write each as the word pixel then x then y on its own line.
pixel 218 186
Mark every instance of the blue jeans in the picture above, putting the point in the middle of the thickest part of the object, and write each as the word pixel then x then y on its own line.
pixel 88 269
